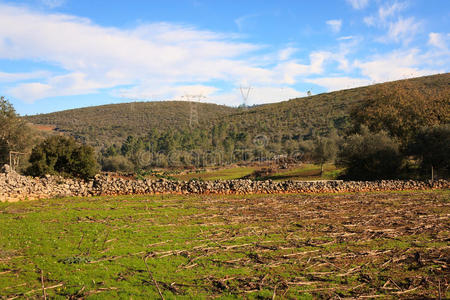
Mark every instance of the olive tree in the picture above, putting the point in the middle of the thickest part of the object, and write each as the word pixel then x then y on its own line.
pixel 324 151
pixel 370 156
pixel 15 135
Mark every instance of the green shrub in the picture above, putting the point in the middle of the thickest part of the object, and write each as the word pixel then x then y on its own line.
pixel 431 146
pixel 117 163
pixel 370 156
pixel 63 156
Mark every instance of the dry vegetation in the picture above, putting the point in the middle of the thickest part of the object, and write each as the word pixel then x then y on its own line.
pixel 366 245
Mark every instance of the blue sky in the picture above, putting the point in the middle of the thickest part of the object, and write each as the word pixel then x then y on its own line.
pixel 62 54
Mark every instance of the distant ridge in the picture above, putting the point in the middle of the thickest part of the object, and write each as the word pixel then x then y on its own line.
pixel 296 118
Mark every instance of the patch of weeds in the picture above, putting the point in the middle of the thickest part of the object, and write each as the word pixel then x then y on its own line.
pixel 71 260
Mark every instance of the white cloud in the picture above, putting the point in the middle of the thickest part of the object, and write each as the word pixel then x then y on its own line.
pixel 402 30
pixel 53 3
pixel 399 29
pixel 347 46
pixel 288 72
pixel 317 60
pixel 64 85
pixel 345 38
pixel 394 66
pixel 384 13
pixel 339 83
pixel 164 61
pixel 77 44
pixel 358 4
pixel 14 77
pixel 438 40
pixel 370 20
pixel 286 53
pixel 335 25
pixel 391 10
pixel 97 57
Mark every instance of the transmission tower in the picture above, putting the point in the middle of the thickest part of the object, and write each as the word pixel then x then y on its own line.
pixel 193 105
pixel 245 92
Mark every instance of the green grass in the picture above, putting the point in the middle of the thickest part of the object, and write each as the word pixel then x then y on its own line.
pixel 230 247
pixel 308 172
pixel 222 174
pixel 303 172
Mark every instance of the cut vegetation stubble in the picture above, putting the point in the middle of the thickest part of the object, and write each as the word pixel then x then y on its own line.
pixel 258 246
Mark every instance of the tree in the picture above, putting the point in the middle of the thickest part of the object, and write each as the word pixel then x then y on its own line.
pixel 128 145
pixel 63 156
pixel 324 151
pixel 432 147
pixel 15 135
pixel 370 156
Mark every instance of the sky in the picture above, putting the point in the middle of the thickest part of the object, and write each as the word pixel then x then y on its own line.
pixel 63 54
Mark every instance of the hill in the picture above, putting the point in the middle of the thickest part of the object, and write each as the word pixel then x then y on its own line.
pixel 107 124
pixel 324 111
pixel 165 126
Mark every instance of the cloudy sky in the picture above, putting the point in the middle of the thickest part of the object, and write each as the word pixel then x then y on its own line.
pixel 61 54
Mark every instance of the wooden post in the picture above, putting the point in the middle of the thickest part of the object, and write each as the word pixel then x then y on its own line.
pixel 15 160
pixel 432 173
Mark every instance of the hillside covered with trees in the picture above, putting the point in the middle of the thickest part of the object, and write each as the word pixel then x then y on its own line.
pixel 164 131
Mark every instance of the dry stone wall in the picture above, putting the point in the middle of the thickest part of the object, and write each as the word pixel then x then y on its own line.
pixel 15 187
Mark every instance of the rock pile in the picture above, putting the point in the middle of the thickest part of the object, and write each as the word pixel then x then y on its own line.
pixel 15 187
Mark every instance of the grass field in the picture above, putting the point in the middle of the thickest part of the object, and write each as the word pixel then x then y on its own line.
pixel 221 174
pixel 308 172
pixel 258 246
pixel 302 172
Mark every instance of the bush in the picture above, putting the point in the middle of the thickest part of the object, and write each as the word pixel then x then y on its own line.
pixel 370 156
pixel 431 146
pixel 117 163
pixel 63 156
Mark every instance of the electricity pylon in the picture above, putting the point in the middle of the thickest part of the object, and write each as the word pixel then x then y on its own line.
pixel 193 103
pixel 245 92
